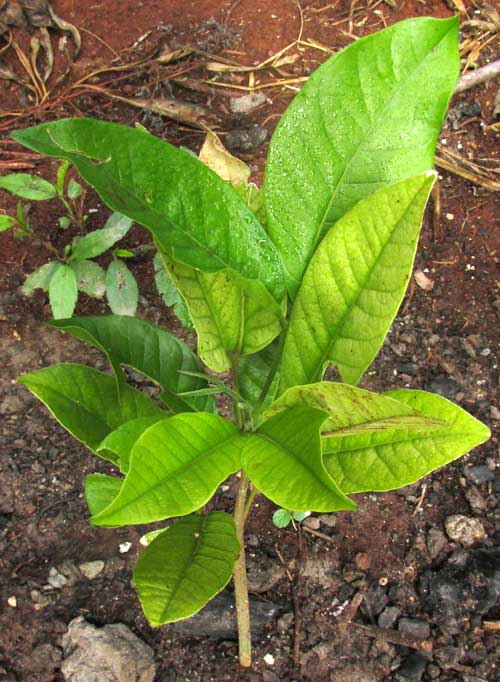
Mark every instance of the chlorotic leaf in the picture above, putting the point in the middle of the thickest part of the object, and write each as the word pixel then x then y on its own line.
pixel 175 468
pixel 354 285
pixel 28 186
pixel 85 401
pixel 146 348
pixel 119 443
pixel 231 316
pixel 99 241
pixel 353 410
pixel 368 117
pixel 121 289
pixel 90 278
pixel 382 460
pixel 196 217
pixel 40 278
pixel 63 292
pixel 185 566
pixel 100 491
pixel 283 460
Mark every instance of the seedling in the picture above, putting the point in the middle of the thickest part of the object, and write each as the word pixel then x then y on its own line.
pixel 347 180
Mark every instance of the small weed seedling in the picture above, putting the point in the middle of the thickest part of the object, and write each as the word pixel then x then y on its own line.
pixel 307 274
pixel 73 270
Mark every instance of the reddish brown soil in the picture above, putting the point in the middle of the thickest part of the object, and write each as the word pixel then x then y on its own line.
pixel 446 339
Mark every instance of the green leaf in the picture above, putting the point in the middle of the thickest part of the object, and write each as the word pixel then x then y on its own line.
pixel 368 117
pixel 299 516
pixel 231 316
pixel 28 186
pixel 90 278
pixel 85 401
pixel 353 410
pixel 63 292
pixel 74 189
pixel 6 222
pixel 193 214
pixel 40 278
pixel 253 371
pixel 354 285
pixel 118 444
pixel 283 460
pixel 64 222
pixel 100 491
pixel 281 518
pixel 121 289
pixel 61 176
pixel 175 468
pixel 386 459
pixel 146 348
pixel 185 566
pixel 97 242
pixel 169 292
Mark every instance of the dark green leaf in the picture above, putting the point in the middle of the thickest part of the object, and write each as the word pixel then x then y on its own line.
pixel 85 401
pixel 185 566
pixel 193 214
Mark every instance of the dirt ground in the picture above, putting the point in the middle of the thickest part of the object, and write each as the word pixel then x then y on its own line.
pixel 446 339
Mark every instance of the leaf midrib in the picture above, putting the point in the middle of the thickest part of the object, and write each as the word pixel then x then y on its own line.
pixel 371 424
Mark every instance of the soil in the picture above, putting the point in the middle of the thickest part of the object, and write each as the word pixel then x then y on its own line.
pixel 445 339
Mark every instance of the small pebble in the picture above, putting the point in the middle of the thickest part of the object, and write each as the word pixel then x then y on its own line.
pixel 362 561
pixel 479 474
pixel 91 569
pixel 388 617
pixel 413 627
pixel 124 547
pixel 12 602
pixel 269 659
pixel 464 529
pixel 312 522
pixel 328 520
pixel 56 579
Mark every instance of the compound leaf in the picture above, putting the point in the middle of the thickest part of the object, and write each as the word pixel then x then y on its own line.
pixel 100 491
pixel 146 348
pixel 63 292
pixel 368 117
pixel 194 215
pixel 283 460
pixel 175 468
pixel 386 459
pixel 185 566
pixel 354 284
pixel 85 401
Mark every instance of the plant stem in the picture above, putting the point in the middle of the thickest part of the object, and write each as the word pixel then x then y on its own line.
pixel 240 579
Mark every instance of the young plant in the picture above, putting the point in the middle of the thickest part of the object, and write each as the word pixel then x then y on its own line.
pixel 73 270
pixel 346 184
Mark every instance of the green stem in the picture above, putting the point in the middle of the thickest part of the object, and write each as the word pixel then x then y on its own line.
pixel 249 502
pixel 240 579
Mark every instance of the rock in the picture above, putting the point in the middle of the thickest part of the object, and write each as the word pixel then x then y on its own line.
pixel 436 542
pixel 464 529
pixel 479 474
pixel 56 579
pixel 312 522
pixel 413 668
pixel 375 600
pixel 246 139
pixel 218 618
pixel 362 561
pixel 109 654
pixel 423 281
pixel 247 103
pixel 388 617
pixel 91 569
pixel 476 500
pixel 468 584
pixel 328 520
pixel 45 659
pixel 263 577
pixel 444 386
pixel 413 627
